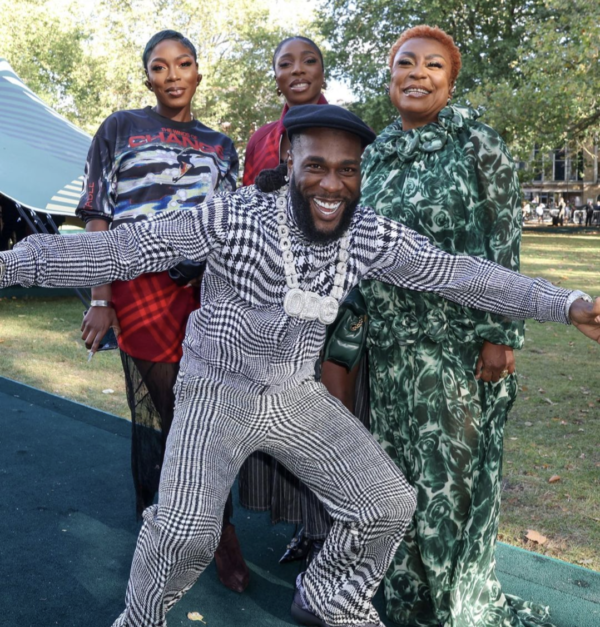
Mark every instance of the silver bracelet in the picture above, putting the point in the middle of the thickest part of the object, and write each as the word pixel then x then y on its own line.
pixel 101 303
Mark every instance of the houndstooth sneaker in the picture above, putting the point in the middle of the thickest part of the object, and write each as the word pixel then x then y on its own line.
pixel 303 614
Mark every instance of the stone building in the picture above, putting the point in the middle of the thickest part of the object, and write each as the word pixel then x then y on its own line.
pixel 573 176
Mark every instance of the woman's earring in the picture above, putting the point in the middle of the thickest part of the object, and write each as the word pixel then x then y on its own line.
pixel 286 178
pixel 324 86
pixel 387 89
pixel 278 91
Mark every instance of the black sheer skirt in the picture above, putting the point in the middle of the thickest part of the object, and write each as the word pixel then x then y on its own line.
pixel 151 401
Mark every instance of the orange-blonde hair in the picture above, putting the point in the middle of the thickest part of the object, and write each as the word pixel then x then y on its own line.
pixel 430 32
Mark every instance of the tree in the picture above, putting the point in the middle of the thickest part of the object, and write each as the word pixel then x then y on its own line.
pixel 552 96
pixel 44 43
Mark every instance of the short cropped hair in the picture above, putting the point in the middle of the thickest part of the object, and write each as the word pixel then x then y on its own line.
pixel 163 35
pixel 430 32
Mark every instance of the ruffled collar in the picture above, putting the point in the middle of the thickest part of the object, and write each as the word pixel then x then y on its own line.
pixel 407 145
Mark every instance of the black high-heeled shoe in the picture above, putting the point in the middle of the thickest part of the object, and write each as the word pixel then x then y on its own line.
pixel 297 549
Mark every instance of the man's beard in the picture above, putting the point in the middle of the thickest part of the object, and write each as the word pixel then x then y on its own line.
pixel 306 223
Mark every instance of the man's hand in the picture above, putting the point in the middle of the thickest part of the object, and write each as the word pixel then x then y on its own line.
pixel 495 362
pixel 586 317
pixel 96 323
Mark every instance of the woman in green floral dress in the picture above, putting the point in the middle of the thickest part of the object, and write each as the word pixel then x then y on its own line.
pixel 442 375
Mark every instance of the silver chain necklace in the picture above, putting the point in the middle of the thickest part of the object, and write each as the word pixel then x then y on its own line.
pixel 301 303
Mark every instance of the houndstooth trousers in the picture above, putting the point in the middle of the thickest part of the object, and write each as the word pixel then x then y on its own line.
pixel 214 430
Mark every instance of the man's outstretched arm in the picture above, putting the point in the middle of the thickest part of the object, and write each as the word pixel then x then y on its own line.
pixel 407 259
pixel 96 258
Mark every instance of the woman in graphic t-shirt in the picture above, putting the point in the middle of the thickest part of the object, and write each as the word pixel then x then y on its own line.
pixel 141 164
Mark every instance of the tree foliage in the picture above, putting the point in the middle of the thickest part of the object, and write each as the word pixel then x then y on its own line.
pixel 532 65
pixel 85 59
pixel 552 95
pixel 44 45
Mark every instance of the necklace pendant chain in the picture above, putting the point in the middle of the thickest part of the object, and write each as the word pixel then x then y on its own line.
pixel 300 303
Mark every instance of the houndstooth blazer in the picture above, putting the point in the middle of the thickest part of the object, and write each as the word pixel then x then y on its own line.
pixel 241 336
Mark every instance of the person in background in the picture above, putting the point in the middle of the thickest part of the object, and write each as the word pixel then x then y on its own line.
pixel 561 212
pixel 539 211
pixel 300 78
pixel 263 483
pixel 143 163
pixel 589 213
pixel 443 375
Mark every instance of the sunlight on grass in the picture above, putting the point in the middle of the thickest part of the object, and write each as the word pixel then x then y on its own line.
pixel 40 345
pixel 554 427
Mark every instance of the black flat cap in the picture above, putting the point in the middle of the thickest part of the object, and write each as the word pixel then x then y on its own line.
pixel 301 117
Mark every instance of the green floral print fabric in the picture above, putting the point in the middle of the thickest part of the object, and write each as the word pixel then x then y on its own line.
pixel 455 182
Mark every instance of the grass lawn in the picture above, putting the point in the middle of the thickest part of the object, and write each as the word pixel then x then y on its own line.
pixel 40 344
pixel 553 430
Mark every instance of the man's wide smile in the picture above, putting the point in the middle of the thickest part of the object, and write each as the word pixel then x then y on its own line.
pixel 327 208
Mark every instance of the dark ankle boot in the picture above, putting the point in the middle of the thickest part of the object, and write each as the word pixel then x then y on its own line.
pixel 315 549
pixel 231 567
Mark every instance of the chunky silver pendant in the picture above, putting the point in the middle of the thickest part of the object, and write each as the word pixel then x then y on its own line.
pixel 329 309
pixel 299 303
pixel 310 306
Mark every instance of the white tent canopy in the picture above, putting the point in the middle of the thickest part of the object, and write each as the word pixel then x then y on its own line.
pixel 42 155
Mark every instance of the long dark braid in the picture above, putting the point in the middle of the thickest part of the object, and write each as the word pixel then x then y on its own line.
pixel 272 180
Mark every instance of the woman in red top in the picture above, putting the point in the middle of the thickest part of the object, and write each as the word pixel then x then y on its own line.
pixel 298 67
pixel 264 484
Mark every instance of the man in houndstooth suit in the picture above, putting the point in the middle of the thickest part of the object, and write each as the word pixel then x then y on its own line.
pixel 277 265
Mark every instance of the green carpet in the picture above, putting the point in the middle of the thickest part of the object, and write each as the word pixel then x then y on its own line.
pixel 68 532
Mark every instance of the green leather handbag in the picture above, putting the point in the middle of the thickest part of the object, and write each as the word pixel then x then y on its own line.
pixel 347 337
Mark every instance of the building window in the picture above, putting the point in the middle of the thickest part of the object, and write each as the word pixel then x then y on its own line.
pixel 575 167
pixel 538 165
pixel 560 162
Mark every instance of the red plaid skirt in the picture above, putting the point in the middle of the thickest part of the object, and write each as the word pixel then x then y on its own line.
pixel 153 313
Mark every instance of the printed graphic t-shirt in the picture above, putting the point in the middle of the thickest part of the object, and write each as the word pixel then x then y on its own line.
pixel 141 164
